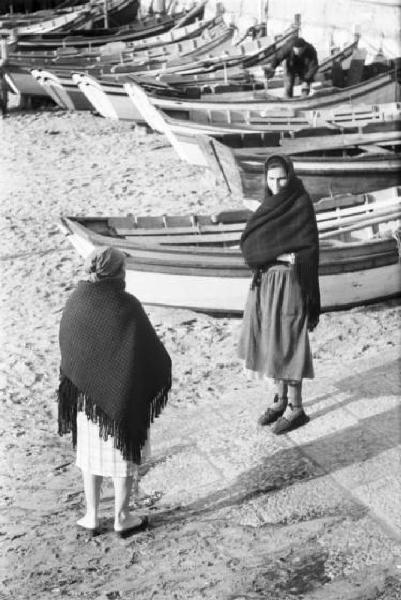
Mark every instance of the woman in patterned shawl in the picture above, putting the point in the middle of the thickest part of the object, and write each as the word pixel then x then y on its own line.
pixel 115 376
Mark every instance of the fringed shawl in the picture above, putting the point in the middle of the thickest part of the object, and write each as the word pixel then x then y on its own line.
pixel 111 354
pixel 284 223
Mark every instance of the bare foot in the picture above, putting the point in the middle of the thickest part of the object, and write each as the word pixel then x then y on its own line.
pixel 88 522
pixel 128 521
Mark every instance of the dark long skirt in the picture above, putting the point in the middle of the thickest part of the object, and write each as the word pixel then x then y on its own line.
pixel 274 339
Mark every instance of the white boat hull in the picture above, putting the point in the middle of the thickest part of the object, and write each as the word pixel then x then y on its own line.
pixel 109 102
pixel 228 294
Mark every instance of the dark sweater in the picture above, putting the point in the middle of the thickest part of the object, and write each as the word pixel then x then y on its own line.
pixel 305 66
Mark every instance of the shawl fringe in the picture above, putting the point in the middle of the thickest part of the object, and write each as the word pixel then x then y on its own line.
pixel 71 400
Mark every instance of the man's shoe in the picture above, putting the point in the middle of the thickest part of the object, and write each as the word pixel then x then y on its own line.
pixel 272 413
pixel 286 424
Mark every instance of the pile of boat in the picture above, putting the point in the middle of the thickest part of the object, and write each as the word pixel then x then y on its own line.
pixel 205 89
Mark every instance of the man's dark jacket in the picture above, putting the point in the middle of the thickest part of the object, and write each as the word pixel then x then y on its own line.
pixel 305 66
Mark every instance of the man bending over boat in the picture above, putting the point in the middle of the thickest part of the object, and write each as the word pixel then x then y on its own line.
pixel 300 60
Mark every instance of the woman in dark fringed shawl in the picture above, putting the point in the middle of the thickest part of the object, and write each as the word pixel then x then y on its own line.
pixel 115 376
pixel 280 244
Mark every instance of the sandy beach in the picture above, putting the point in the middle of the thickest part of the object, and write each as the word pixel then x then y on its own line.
pixel 235 511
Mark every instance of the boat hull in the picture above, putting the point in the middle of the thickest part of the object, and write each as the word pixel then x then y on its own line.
pixel 109 99
pixel 22 82
pixel 138 31
pixel 241 114
pixel 57 22
pixel 218 281
pixel 329 177
pixel 63 90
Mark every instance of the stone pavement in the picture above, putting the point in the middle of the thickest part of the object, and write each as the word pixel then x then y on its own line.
pixel 353 439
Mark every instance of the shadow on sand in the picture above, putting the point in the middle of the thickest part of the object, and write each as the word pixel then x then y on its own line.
pixel 370 437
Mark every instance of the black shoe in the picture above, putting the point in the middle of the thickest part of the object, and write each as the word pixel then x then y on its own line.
pixel 272 413
pixel 285 424
pixel 124 533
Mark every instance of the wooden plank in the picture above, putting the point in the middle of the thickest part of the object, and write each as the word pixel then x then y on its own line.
pixel 150 222
pixel 223 164
pixel 127 222
pixel 311 144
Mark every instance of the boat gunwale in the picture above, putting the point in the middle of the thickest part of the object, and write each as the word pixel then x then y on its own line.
pixel 368 85
pixel 159 254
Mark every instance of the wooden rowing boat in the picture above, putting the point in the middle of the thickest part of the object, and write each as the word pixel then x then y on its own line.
pixel 171 36
pixel 56 21
pixel 70 18
pixel 328 160
pixel 110 98
pixel 328 164
pixel 337 164
pixel 208 79
pixel 241 113
pixel 106 94
pixel 190 146
pixel 53 68
pixel 194 261
pixel 232 57
pixel 62 89
pixel 147 27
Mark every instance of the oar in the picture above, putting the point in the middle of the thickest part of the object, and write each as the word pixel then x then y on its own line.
pixel 357 210
pixel 356 219
pixel 360 225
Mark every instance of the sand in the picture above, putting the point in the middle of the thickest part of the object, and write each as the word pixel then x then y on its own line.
pixel 235 511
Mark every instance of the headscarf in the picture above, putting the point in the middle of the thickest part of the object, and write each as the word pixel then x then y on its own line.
pixel 105 263
pixel 284 223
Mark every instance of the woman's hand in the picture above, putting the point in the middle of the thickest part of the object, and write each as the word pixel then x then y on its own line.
pixel 312 323
pixel 287 257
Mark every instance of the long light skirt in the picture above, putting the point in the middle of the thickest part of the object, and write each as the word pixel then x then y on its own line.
pixel 99 457
pixel 274 339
